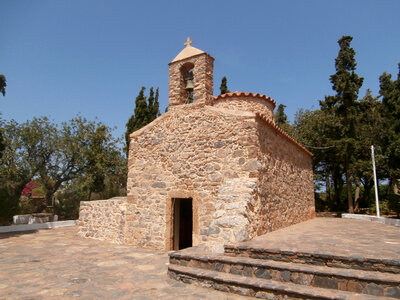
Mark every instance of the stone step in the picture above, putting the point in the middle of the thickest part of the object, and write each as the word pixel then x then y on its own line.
pixel 255 287
pixel 366 282
pixel 322 259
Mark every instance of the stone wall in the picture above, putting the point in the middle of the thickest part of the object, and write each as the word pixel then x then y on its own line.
pixel 103 219
pixel 194 152
pixel 285 188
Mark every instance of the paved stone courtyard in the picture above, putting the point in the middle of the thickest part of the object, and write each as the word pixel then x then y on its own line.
pixel 58 264
pixel 358 239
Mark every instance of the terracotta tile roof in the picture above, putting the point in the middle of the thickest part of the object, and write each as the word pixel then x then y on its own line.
pixel 238 94
pixel 271 124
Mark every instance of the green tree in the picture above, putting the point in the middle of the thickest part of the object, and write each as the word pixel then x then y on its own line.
pixel 16 169
pixel 104 177
pixel 3 84
pixel 344 105
pixel 280 116
pixel 224 86
pixel 281 119
pixel 314 130
pixel 103 160
pixel 146 110
pixel 153 105
pixel 390 92
pixel 369 132
pixel 2 144
pixel 139 117
pixel 79 150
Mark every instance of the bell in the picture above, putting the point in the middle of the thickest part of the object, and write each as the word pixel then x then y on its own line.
pixel 189 85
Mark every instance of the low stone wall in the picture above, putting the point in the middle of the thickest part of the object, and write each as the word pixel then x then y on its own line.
pixel 37 226
pixel 34 218
pixel 382 220
pixel 103 219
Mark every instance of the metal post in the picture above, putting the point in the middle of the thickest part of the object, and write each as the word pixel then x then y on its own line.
pixel 375 181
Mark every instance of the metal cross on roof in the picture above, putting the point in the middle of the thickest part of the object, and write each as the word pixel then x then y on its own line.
pixel 188 42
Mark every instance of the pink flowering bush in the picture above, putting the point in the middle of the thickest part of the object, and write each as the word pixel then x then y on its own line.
pixel 28 190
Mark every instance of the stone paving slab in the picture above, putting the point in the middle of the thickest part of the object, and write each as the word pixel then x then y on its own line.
pixel 336 237
pixel 59 264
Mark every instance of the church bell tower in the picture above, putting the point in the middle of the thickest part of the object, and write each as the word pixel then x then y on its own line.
pixel 191 76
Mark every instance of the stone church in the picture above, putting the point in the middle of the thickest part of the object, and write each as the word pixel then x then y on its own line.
pixel 212 170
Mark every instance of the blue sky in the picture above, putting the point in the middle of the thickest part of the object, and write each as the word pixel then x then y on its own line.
pixel 92 56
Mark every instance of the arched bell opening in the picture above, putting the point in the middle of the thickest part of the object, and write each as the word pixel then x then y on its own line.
pixel 187 83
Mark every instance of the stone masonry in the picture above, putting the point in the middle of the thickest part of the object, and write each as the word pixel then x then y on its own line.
pixel 103 219
pixel 202 65
pixel 244 175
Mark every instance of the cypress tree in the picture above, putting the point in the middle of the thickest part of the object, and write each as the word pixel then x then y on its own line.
pixel 280 116
pixel 390 92
pixel 139 117
pixel 141 111
pixel 157 104
pixel 344 106
pixel 151 101
pixel 3 84
pixel 154 105
pixel 146 110
pixel 281 119
pixel 224 86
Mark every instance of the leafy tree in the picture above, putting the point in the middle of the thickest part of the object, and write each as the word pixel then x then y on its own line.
pixel 390 92
pixel 67 206
pixel 83 149
pixel 224 86
pixel 3 84
pixel 103 160
pixel 368 132
pixel 79 150
pixel 15 169
pixel 313 129
pixel 344 106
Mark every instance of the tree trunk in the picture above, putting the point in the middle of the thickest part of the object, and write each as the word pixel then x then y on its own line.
pixel 337 187
pixel 357 195
pixel 395 186
pixel 48 197
pixel 349 187
pixel 328 189
pixel 367 190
